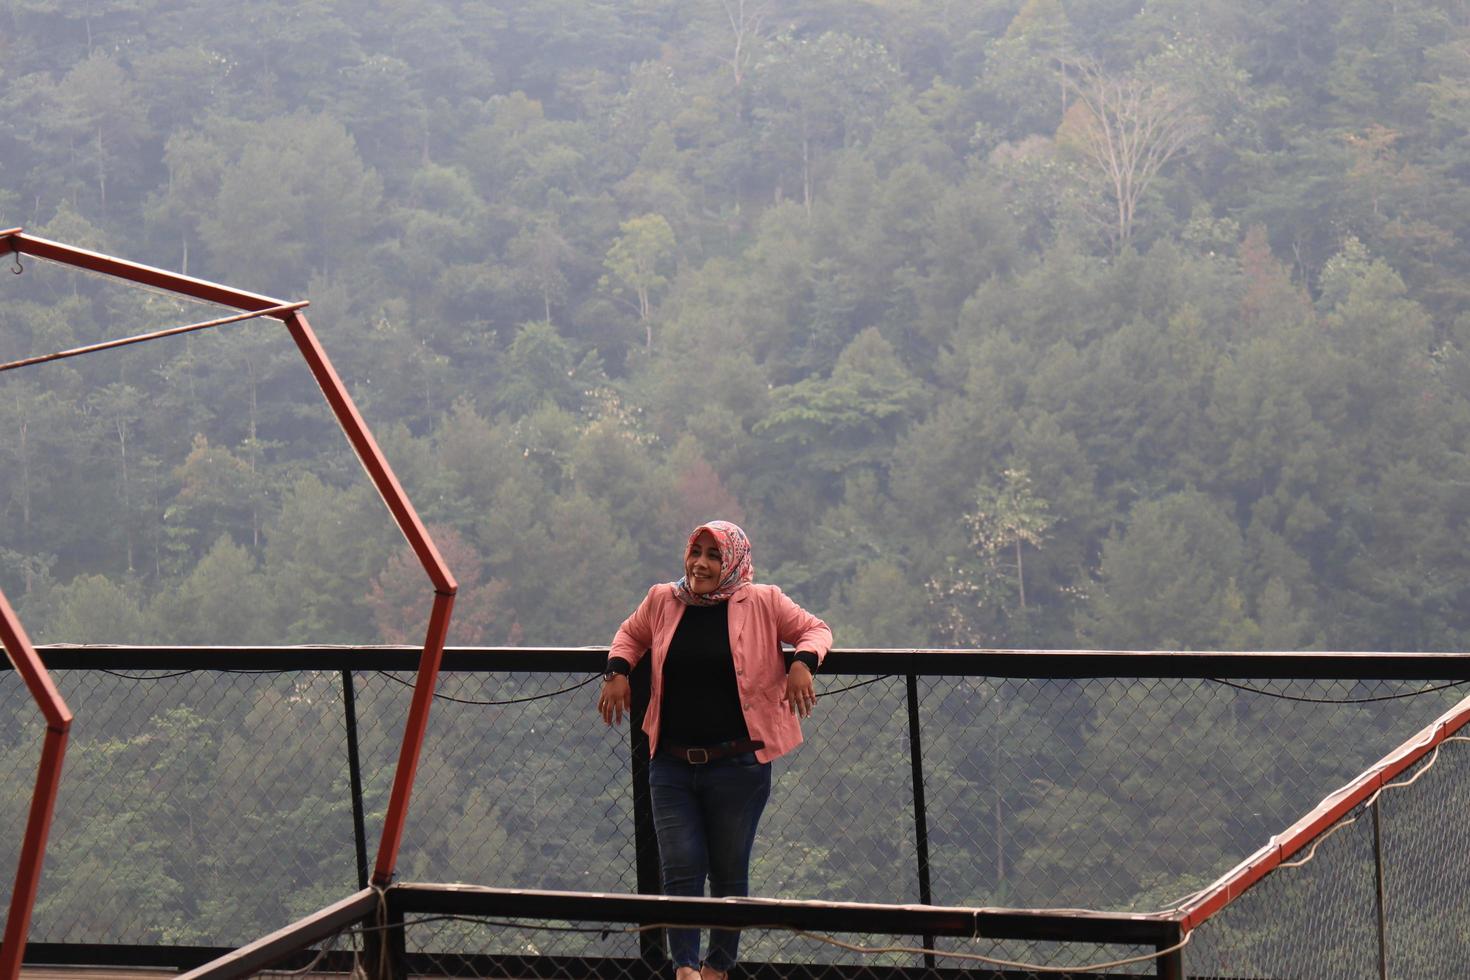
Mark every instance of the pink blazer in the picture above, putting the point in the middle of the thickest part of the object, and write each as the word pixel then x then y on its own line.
pixel 761 618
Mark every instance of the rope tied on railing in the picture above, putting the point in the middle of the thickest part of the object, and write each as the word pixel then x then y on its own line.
pixel 1306 700
pixel 604 930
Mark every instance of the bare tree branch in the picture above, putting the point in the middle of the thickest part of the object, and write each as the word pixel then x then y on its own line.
pixel 745 17
pixel 1130 129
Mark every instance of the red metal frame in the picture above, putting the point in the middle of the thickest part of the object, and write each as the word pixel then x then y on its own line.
pixel 43 799
pixel 360 437
pixel 1235 882
pixel 154 335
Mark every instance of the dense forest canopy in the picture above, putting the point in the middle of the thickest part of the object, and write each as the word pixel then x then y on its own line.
pixel 1120 323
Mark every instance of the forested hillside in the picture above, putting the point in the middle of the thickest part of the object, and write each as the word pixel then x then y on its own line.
pixel 1046 323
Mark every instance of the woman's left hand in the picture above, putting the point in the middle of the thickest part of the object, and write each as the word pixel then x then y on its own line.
pixel 799 694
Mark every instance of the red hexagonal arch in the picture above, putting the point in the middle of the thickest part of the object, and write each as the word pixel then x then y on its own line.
pixel 23 656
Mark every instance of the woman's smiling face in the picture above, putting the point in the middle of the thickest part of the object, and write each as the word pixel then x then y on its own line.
pixel 702 566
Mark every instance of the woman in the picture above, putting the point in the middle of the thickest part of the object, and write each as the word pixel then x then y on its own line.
pixel 724 702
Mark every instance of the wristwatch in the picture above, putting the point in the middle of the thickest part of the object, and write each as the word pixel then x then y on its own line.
pixel 610 673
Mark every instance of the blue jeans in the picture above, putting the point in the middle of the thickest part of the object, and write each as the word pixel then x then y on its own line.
pixel 705 818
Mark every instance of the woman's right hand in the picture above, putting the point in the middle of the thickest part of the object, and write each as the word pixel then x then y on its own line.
pixel 616 698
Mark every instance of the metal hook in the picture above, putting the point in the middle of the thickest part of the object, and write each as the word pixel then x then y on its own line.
pixel 16 268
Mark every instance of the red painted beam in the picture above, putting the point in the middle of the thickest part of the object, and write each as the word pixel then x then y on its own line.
pixel 58 717
pixel 252 958
pixel 153 335
pixel 1333 808
pixel 368 452
pixel 434 566
pixel 146 275
pixel 413 740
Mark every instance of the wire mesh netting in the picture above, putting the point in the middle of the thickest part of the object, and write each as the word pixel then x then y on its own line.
pixel 1385 891
pixel 211 807
pixel 517 783
pixel 194 809
pixel 471 946
pixel 1129 794
pixel 1426 868
pixel 1316 920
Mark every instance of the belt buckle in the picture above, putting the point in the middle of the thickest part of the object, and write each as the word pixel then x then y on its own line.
pixel 703 757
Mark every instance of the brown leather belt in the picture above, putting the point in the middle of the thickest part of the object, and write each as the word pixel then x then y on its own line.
pixel 698 755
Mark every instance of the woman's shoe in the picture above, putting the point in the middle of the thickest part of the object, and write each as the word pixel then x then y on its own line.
pixel 708 972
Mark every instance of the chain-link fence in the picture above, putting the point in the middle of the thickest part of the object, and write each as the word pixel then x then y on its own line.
pixel 426 930
pixel 196 808
pixel 480 934
pixel 1383 891
pixel 213 804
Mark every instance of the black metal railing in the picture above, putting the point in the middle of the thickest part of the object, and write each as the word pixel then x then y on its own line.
pixel 214 794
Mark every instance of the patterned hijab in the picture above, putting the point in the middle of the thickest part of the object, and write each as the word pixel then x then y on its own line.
pixel 736 569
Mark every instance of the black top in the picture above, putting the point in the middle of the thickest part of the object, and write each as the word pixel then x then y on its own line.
pixel 701 702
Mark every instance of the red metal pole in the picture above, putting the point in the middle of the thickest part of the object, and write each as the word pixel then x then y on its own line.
pixel 368 452
pixel 413 739
pixel 154 335
pixel 146 275
pixel 43 799
pixel 445 588
pixel 1333 808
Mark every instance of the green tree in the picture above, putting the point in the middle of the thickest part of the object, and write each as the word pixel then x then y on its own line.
pixel 174 82
pixel 33 423
pixel 119 408
pixel 218 492
pixel 195 162
pixel 814 96
pixel 1007 517
pixel 97 107
pixel 880 606
pixel 147 880
pixel 637 261
pixel 1168 579
pixel 293 200
pixel 541 255
pixel 539 371
pixel 440 220
pixel 472 457
pixel 322 549
pixel 614 462
pixel 1021 67
pixel 979 597
pixel 223 599
pixel 851 418
pixel 94 609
